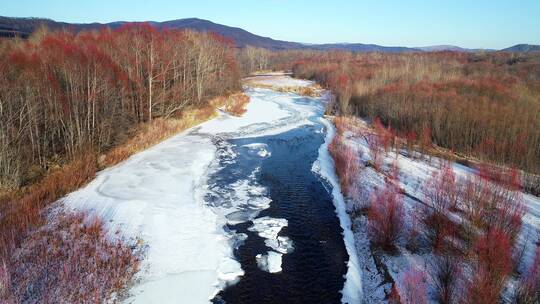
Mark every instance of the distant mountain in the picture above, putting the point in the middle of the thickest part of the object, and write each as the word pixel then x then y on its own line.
pixel 359 47
pixel 523 48
pixel 453 48
pixel 23 27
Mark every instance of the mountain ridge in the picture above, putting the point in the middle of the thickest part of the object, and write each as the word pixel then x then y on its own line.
pixel 23 27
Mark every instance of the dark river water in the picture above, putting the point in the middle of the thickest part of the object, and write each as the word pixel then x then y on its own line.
pixel 314 271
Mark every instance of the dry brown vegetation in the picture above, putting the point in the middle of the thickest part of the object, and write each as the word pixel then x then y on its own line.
pixel 234 104
pixel 310 91
pixel 149 134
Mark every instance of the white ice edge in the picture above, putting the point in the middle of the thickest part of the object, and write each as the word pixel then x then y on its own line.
pixel 324 166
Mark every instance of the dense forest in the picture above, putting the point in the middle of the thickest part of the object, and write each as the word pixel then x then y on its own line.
pixel 63 93
pixel 477 104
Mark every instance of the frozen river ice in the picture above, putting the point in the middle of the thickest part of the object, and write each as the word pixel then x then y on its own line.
pixel 234 210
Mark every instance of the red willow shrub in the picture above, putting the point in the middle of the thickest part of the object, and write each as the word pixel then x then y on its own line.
pixel 459 101
pixel 67 261
pixel 346 162
pixel 379 142
pixel 528 291
pixel 386 135
pixel 412 288
pixel 386 217
pixel 441 196
pixel 490 204
pixel 492 259
pixel 25 213
pixel 446 274
pixel 441 190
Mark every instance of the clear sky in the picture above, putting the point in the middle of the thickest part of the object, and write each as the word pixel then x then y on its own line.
pixel 466 23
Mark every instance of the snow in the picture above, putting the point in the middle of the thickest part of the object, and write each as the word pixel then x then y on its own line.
pixel 260 112
pixel 270 262
pixel 156 198
pixel 352 290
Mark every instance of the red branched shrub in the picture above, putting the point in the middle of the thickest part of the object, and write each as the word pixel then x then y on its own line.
pixel 446 276
pixel 412 287
pixel 440 231
pixel 385 135
pixel 483 105
pixel 441 191
pixel 410 140
pixel 492 265
pixel 66 261
pixel 528 291
pixel 346 163
pixel 22 214
pixel 386 217
pixel 489 204
pixel 441 196
pixel 394 297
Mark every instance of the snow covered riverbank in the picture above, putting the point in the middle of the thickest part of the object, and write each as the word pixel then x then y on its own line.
pixel 413 173
pixel 352 291
pixel 156 198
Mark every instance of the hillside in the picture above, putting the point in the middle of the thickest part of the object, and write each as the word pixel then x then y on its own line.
pixel 524 48
pixel 23 27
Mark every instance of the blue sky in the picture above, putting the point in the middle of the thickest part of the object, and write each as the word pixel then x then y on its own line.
pixel 472 23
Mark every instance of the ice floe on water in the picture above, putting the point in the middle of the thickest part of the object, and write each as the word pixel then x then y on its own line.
pixel 270 262
pixel 259 148
pixel 241 201
pixel 269 228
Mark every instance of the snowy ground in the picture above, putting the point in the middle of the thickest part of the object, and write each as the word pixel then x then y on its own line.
pixel 412 175
pixel 155 198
